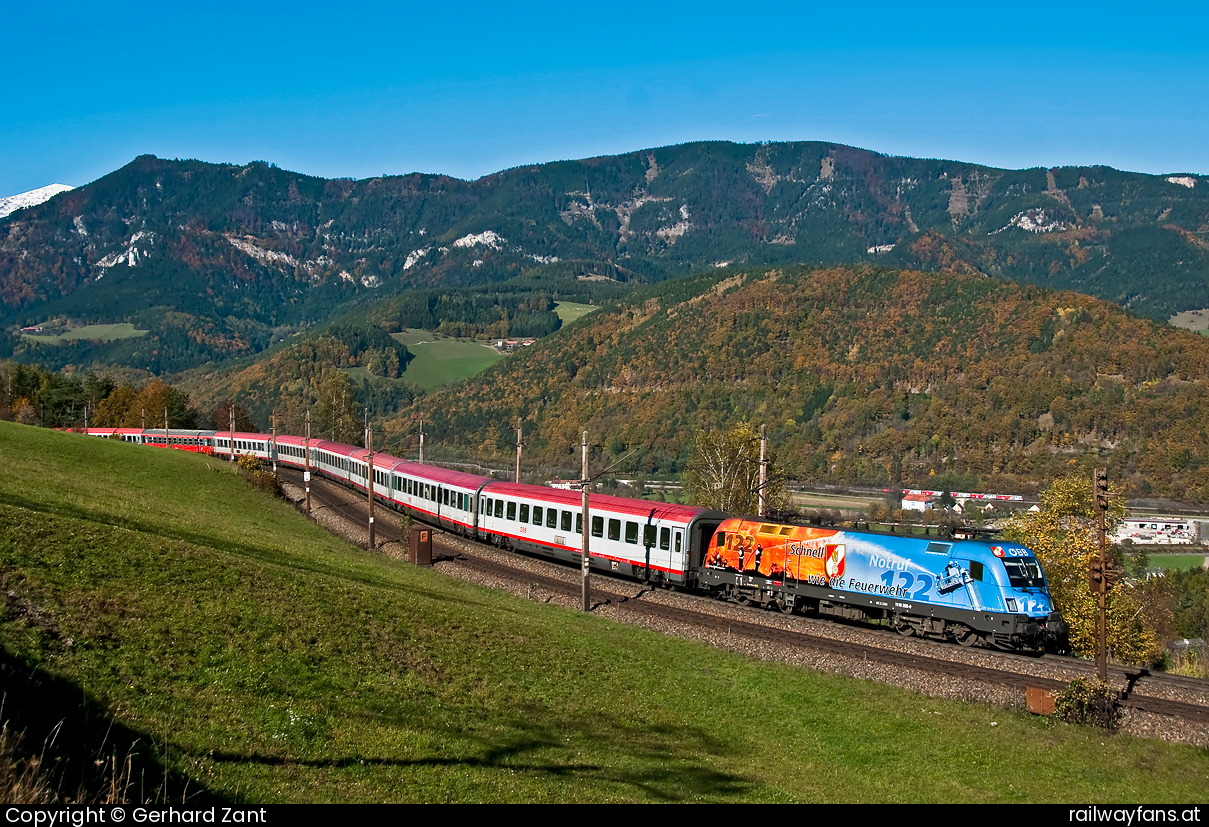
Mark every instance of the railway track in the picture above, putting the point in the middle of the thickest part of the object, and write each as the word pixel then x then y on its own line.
pixel 1160 705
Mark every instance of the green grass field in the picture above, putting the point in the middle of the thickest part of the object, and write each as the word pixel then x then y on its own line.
pixel 261 660
pixel 570 311
pixel 99 332
pixel 443 361
pixel 1177 561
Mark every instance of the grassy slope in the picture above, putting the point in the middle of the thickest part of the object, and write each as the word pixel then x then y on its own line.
pixel 267 661
pixel 443 361
pixel 571 311
pixel 99 332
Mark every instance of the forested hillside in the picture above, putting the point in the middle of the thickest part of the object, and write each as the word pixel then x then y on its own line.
pixel 865 374
pixel 219 261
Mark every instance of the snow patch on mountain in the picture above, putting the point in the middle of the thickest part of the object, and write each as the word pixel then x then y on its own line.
pixel 414 256
pixel 12 203
pixel 1034 221
pixel 261 254
pixel 130 256
pixel 488 238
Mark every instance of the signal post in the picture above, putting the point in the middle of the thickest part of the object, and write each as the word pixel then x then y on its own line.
pixel 1099 571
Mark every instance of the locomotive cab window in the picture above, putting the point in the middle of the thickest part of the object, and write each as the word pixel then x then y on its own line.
pixel 1024 574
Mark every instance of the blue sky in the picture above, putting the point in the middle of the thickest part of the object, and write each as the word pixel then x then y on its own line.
pixel 364 89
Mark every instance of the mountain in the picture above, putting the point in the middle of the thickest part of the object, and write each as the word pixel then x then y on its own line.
pixel 217 261
pixel 862 374
pixel 12 203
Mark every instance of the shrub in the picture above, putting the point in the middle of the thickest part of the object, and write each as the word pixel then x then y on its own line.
pixel 1089 701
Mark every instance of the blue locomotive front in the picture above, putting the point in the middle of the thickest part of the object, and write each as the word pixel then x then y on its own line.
pixel 970 591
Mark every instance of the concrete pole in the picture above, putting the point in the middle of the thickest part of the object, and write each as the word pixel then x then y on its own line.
pixel 763 471
pixel 369 470
pixel 519 444
pixel 587 530
pixel 306 474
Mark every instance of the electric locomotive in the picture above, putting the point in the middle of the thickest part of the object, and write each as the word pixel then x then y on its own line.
pixel 971 591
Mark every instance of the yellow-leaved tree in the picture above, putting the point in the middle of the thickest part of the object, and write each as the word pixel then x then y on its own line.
pixel 1063 536
pixel 724 472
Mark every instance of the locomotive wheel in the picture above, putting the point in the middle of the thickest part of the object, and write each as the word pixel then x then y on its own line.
pixel 968 637
pixel 904 628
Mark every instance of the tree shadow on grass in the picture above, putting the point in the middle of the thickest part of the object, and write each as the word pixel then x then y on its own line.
pixel 603 758
pixel 62 746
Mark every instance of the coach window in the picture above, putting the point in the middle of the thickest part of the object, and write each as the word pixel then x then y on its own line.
pixel 551 518
pixel 490 506
pixel 614 529
pixel 512 511
pixel 566 521
pixel 579 522
pixel 648 535
pixel 499 509
pixel 598 526
pixel 665 538
pixel 524 512
pixel 631 532
pixel 537 515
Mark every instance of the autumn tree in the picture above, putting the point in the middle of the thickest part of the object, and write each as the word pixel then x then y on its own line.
pixel 243 420
pixel 1063 536
pixel 117 409
pixel 338 416
pixel 724 472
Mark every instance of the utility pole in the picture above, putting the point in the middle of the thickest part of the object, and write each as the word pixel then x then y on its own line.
pixel 519 444
pixel 421 441
pixel 274 444
pixel 166 426
pixel 231 411
pixel 306 474
pixel 763 471
pixel 369 479
pixel 1099 571
pixel 587 530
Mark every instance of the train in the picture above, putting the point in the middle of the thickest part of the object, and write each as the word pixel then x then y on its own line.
pixel 972 591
